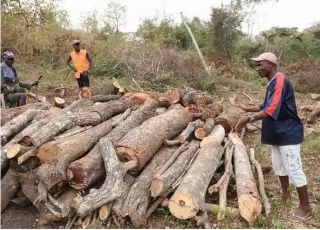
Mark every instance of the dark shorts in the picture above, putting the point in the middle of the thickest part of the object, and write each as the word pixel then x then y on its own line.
pixel 14 99
pixel 83 81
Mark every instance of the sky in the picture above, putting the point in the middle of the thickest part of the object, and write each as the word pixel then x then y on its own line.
pixel 284 13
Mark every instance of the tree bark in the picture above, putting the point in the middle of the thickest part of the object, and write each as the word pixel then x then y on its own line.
pixel 211 111
pixel 188 132
pixel 112 187
pixel 162 182
pixel 201 132
pixel 248 196
pixel 74 130
pixel 194 97
pixel 9 114
pixel 228 121
pixel 16 125
pixel 104 98
pixel 53 173
pixel 160 110
pixel 189 197
pixel 136 144
pixel 9 187
pixel 138 198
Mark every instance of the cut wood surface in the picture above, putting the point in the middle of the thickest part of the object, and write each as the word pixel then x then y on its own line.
pixel 59 155
pixel 104 98
pixel 202 132
pixel 9 187
pixel 25 156
pixel 257 166
pixel 173 96
pixel 136 146
pixel 250 206
pixel 228 121
pixel 16 124
pixel 55 109
pixel 211 111
pixel 162 181
pixel 112 187
pixel 139 98
pixel 138 197
pixel 196 98
pixel 187 133
pixel 17 150
pixel 59 102
pixel 189 197
pixel 8 114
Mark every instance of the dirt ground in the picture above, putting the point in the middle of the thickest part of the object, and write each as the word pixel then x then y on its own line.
pixel 27 217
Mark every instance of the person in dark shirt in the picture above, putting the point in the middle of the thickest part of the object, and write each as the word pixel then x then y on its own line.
pixel 282 129
pixel 12 88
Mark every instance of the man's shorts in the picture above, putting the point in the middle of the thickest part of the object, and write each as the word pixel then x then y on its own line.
pixel 286 161
pixel 83 80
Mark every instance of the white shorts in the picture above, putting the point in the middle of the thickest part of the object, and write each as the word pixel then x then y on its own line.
pixel 286 161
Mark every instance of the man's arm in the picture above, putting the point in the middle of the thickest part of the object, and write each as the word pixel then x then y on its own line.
pixel 69 64
pixel 250 108
pixel 90 60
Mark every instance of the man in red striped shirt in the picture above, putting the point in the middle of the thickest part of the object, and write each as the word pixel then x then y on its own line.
pixel 282 129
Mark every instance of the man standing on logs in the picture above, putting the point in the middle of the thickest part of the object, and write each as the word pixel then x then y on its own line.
pixel 282 129
pixel 82 64
pixel 11 87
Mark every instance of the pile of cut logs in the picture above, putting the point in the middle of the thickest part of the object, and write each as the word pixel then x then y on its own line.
pixel 113 156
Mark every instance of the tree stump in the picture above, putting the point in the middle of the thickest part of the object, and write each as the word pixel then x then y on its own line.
pixel 59 102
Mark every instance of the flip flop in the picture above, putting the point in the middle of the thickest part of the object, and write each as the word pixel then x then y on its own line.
pixel 300 218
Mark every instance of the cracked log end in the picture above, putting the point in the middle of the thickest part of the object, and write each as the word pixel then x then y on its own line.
pixel 250 207
pixel 156 187
pixel 76 178
pixel 126 155
pixel 47 152
pixel 182 206
pixel 200 133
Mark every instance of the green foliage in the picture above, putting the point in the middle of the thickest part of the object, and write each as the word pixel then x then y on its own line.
pixel 106 69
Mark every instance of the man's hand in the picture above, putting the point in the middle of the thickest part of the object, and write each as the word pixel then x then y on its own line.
pixel 241 123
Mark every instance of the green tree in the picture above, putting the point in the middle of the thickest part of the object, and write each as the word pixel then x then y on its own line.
pixel 115 16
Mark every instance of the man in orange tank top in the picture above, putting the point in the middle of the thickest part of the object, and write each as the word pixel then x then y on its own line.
pixel 82 64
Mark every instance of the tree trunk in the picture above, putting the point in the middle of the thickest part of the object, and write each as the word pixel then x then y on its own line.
pixel 8 114
pixel 228 121
pixel 248 195
pixel 203 131
pixel 188 132
pixel 87 118
pixel 161 183
pixel 136 145
pixel 9 187
pixel 189 197
pixel 160 110
pixel 173 96
pixel 74 130
pixel 211 111
pixel 17 150
pixel 117 206
pixel 86 171
pixel 16 124
pixel 113 185
pixel 138 197
pixel 136 118
pixel 53 173
pixel 104 98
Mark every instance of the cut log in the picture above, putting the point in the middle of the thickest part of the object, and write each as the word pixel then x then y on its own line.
pixel 312 117
pixel 78 105
pixel 104 98
pixel 16 125
pixel 315 96
pixel 53 173
pixel 163 181
pixel 104 212
pixel 55 110
pixel 136 144
pixel 9 114
pixel 72 131
pixel 62 92
pixel 17 150
pixel 194 97
pixel 228 121
pixel 9 187
pixel 248 196
pixel 86 171
pixel 139 98
pixel 118 88
pixel 138 197
pixel 117 206
pixel 113 185
pixel 173 96
pixel 164 102
pixel 59 102
pixel 195 110
pixel 24 157
pixel 188 132
pixel 189 197
pixel 211 111
pixel 204 131
pixel 117 120
pixel 171 142
pixel 257 166
pixel 214 209
pixel 160 110
pixel 87 118
pixel 85 93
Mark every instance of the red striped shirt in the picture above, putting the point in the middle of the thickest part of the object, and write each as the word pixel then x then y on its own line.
pixel 277 94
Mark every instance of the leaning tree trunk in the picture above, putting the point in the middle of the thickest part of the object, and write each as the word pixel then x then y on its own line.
pixel 89 169
pixel 189 197
pixel 161 183
pixel 142 142
pixel 250 206
pixel 16 124
pixel 9 114
pixel 138 197
pixel 53 173
pixel 113 185
pixel 205 130
pixel 9 187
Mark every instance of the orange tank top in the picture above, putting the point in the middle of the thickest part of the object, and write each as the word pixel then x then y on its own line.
pixel 80 61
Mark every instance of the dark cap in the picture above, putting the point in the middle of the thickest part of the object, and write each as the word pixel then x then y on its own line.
pixel 75 42
pixel 8 54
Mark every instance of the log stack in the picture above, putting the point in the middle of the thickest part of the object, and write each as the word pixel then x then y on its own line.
pixel 123 156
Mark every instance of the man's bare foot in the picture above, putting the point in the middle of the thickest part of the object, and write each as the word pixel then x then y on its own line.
pixel 302 213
